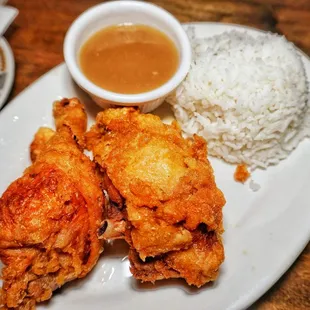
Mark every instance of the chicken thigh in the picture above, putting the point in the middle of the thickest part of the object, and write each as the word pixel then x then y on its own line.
pixel 163 199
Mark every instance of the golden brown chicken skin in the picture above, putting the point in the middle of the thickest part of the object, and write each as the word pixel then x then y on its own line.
pixel 163 198
pixel 50 216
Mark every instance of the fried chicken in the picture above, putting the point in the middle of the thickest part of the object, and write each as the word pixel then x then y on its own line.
pixel 50 216
pixel 242 173
pixel 163 199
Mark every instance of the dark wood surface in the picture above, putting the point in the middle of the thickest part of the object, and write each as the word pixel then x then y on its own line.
pixel 37 38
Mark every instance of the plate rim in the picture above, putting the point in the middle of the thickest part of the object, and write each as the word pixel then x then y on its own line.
pixel 10 70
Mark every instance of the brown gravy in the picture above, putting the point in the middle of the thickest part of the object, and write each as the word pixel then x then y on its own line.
pixel 129 59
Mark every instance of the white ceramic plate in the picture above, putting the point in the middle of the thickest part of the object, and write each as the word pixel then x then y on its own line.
pixel 265 230
pixel 7 70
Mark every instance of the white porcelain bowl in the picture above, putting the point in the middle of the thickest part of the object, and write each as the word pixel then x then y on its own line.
pixel 119 12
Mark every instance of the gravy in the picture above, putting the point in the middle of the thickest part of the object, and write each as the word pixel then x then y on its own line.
pixel 129 59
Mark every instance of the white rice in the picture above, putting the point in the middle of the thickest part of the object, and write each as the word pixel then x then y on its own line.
pixel 248 97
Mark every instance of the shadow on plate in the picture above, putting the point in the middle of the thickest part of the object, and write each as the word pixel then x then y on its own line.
pixel 170 283
pixel 165 113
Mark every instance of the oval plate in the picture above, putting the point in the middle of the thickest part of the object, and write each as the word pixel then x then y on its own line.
pixel 265 230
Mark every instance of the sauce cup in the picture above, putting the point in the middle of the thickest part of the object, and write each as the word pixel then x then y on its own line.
pixel 120 12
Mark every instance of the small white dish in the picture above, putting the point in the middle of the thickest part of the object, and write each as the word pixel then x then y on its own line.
pixel 7 70
pixel 119 12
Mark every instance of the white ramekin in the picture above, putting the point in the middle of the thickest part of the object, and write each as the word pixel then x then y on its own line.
pixel 119 12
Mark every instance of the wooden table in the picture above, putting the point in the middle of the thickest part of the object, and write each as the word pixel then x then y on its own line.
pixel 37 38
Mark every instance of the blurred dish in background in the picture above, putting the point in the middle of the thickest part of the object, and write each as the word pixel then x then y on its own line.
pixel 7 70
pixel 7 64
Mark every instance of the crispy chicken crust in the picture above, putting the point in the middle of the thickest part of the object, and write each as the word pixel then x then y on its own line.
pixel 241 174
pixel 50 216
pixel 163 198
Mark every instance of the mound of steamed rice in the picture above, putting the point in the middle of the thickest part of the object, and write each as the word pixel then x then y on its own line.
pixel 248 97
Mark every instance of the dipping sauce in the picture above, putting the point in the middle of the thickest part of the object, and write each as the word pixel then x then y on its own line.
pixel 129 59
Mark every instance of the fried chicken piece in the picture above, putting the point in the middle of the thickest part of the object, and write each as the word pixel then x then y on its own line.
pixel 163 198
pixel 50 216
pixel 198 265
pixel 40 139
